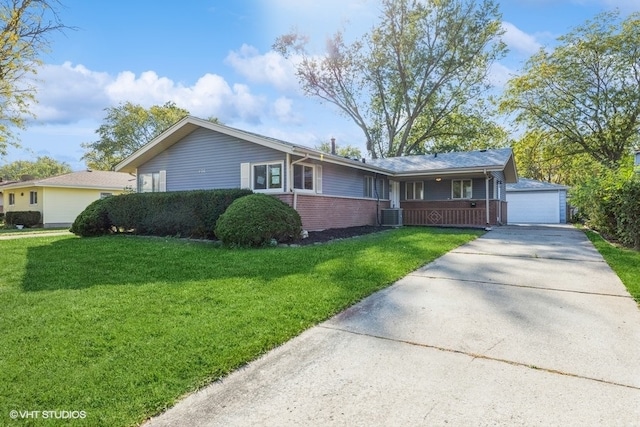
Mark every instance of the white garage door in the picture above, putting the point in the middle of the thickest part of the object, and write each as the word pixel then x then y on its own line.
pixel 533 207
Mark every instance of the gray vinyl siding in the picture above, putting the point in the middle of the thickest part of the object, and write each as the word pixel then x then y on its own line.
pixel 499 176
pixel 346 182
pixel 434 190
pixel 206 159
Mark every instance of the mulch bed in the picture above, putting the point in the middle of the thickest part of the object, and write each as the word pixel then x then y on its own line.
pixel 338 233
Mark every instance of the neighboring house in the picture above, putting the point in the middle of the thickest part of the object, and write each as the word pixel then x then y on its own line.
pixel 2 184
pixel 327 190
pixel 61 198
pixel 537 202
pixel 637 159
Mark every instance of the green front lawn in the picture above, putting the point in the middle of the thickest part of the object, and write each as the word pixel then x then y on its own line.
pixel 122 327
pixel 625 262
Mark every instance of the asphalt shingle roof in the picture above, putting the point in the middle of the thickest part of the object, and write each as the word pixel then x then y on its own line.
pixel 84 179
pixel 444 161
pixel 525 184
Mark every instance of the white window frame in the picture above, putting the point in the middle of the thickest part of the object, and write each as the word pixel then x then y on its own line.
pixel 269 177
pixel 105 195
pixel 158 182
pixel 33 198
pixel 313 177
pixel 373 186
pixel 12 199
pixel 461 182
pixel 415 195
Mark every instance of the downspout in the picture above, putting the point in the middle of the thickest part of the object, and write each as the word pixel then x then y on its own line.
pixel 290 180
pixel 486 185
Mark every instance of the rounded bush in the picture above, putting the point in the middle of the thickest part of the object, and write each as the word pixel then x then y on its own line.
pixel 258 220
pixel 93 221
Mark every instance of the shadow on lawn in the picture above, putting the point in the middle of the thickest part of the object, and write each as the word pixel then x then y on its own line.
pixel 119 260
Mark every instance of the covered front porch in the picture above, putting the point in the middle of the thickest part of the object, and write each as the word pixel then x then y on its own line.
pixel 454 212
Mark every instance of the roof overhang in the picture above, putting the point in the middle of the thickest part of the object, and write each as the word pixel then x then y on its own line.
pixel 189 124
pixel 32 184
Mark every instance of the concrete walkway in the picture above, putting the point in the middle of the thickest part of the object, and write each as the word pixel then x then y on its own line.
pixel 26 234
pixel 524 326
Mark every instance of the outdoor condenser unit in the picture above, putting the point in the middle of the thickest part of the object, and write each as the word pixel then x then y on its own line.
pixel 392 217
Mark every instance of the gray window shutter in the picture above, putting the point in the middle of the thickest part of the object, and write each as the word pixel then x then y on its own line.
pixel 245 175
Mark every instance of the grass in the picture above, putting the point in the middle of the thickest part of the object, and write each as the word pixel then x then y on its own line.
pixel 625 262
pixel 121 327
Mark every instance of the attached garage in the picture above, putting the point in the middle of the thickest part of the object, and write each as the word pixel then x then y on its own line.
pixel 536 202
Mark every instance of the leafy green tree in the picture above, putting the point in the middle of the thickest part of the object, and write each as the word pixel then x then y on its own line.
pixel 42 167
pixel 585 94
pixel 460 131
pixel 539 157
pixel 344 151
pixel 424 61
pixel 25 27
pixel 125 129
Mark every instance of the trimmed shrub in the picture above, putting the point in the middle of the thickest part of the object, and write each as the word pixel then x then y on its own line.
pixel 627 213
pixel 26 218
pixel 93 221
pixel 178 213
pixel 258 220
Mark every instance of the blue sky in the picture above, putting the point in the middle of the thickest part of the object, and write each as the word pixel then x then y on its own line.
pixel 214 58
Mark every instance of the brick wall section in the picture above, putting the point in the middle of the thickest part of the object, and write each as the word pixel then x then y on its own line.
pixel 323 212
pixel 451 212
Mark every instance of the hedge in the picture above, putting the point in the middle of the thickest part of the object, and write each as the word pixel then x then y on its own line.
pixel 26 218
pixel 177 213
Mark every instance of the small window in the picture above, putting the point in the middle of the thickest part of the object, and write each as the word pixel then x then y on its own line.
pixel 33 197
pixel 373 188
pixel 267 176
pixel 461 189
pixel 414 190
pixel 303 177
pixel 12 199
pixel 152 182
pixel 105 195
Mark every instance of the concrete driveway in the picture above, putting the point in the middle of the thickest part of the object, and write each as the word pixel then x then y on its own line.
pixel 523 326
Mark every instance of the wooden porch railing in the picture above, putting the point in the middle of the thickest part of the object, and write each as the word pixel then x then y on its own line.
pixel 444 216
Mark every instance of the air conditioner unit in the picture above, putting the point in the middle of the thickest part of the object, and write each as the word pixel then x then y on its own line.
pixel 392 217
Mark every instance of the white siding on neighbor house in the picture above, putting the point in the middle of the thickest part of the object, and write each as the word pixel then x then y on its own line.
pixel 22 199
pixel 63 205
pixel 536 207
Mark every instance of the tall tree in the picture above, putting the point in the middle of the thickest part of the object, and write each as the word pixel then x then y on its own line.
pixel 539 157
pixel 42 167
pixel 424 60
pixel 24 35
pixel 125 129
pixel 585 94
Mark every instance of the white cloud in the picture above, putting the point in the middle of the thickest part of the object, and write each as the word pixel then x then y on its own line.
pixel 282 110
pixel 69 94
pixel 271 67
pixel 519 40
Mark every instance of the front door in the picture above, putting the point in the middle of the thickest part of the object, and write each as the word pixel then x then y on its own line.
pixel 394 194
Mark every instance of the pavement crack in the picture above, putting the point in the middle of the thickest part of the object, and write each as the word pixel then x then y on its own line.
pixel 480 356
pixel 528 256
pixel 512 285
